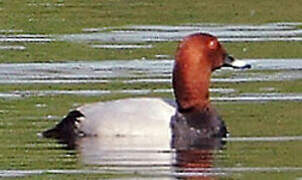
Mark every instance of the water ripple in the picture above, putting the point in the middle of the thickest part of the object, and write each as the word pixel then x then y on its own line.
pixel 136 71
pixel 199 172
pixel 157 33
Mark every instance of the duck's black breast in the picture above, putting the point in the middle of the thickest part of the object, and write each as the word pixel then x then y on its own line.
pixel 193 127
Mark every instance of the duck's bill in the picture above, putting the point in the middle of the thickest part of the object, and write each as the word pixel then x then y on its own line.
pixel 229 61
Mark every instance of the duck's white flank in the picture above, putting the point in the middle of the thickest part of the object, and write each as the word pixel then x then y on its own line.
pixel 127 117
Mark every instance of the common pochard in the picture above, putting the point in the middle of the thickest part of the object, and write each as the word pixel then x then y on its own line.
pixel 189 118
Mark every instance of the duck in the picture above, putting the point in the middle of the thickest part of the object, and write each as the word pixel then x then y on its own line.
pixel 183 121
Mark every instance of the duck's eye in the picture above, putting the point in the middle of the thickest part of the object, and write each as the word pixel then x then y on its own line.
pixel 213 44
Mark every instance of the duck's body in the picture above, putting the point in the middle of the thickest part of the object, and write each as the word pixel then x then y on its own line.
pixel 127 117
pixel 186 121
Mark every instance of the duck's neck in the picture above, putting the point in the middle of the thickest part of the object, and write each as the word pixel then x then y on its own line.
pixel 191 86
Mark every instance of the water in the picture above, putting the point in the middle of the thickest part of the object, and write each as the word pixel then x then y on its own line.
pixel 12 47
pixel 206 174
pixel 136 71
pixel 225 33
pixel 150 159
pixel 124 46
pixel 26 38
pixel 146 157
pixel 265 126
pixel 28 93
pixel 161 33
pixel 11 31
pixel 227 94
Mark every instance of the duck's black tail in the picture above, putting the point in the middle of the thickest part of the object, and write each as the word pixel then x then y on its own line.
pixel 67 130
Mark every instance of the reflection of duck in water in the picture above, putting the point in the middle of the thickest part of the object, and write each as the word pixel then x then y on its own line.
pixel 198 55
pixel 151 156
pixel 196 161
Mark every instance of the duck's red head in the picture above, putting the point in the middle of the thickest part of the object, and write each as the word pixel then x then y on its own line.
pixel 196 57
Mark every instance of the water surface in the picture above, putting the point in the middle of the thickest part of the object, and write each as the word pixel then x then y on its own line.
pixel 134 71
pixel 265 126
pixel 156 33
